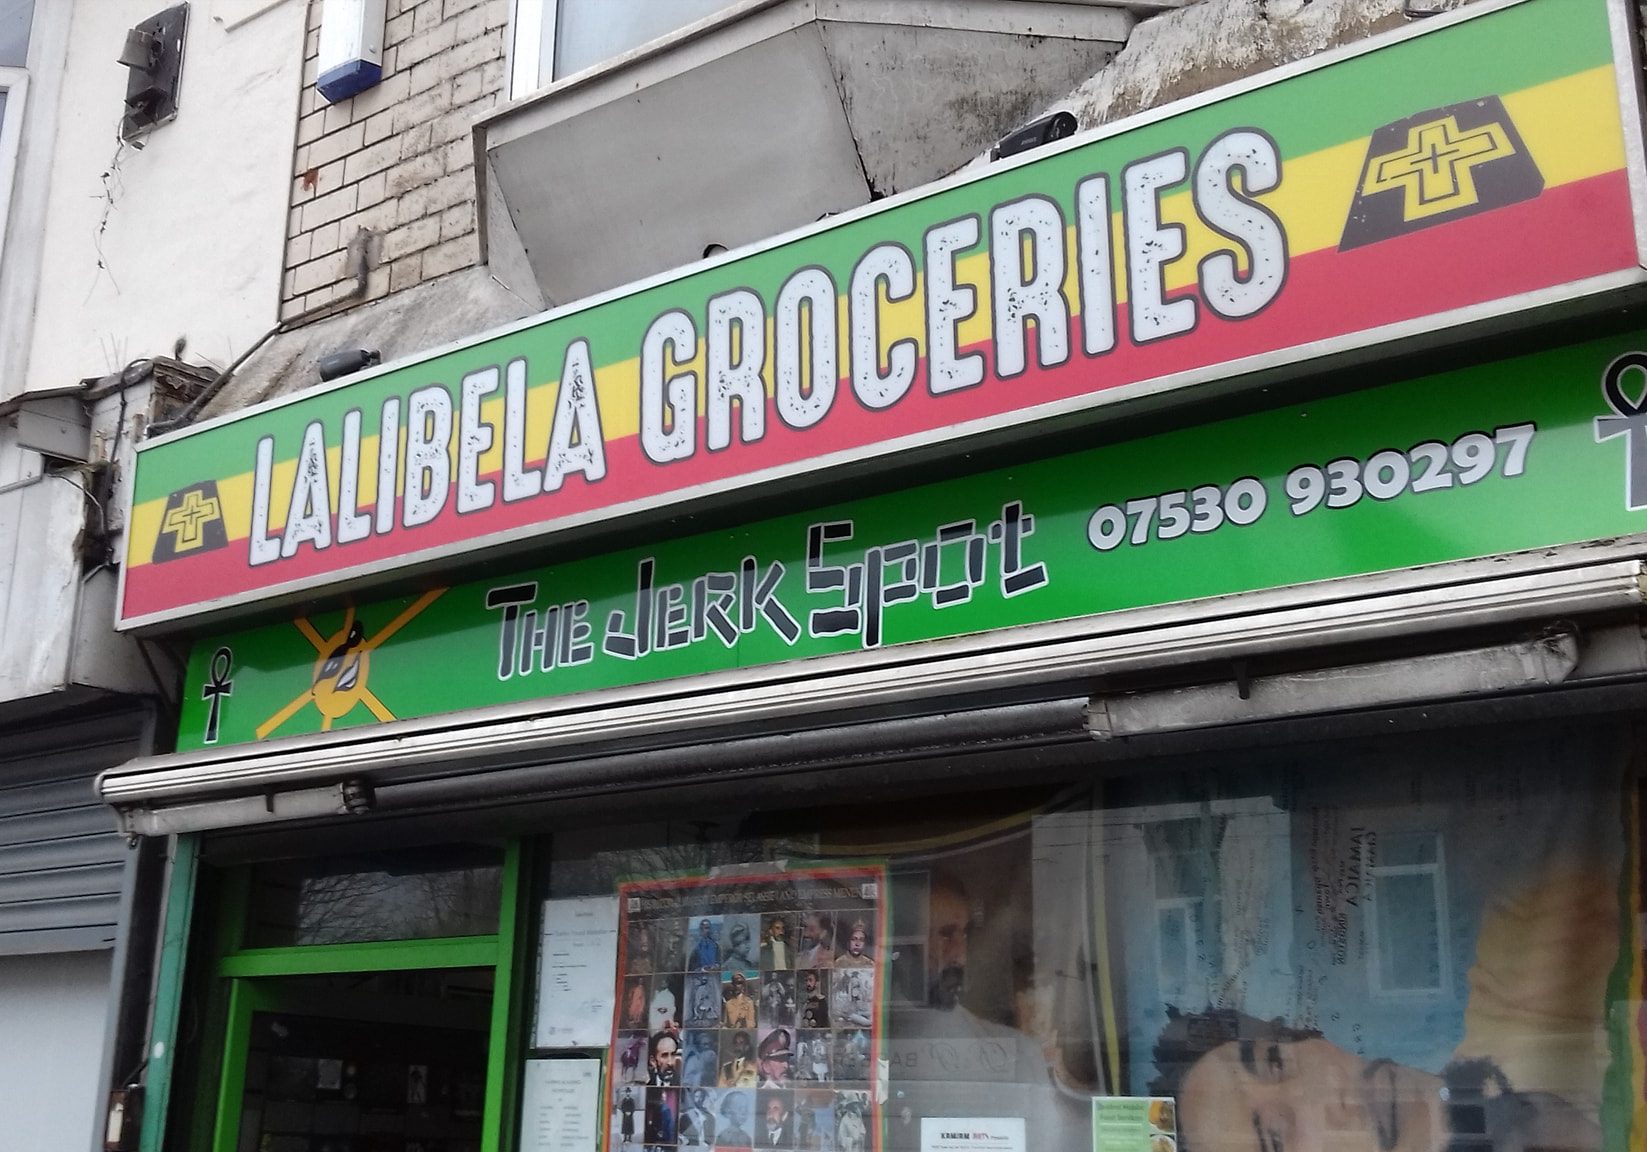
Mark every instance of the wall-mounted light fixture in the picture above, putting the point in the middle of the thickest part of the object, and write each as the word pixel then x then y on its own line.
pixel 153 54
pixel 1043 131
pixel 348 362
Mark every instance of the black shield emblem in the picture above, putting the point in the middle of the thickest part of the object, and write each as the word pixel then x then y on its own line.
pixel 1439 166
pixel 192 523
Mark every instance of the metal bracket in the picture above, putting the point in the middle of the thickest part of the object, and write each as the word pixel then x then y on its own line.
pixel 154 54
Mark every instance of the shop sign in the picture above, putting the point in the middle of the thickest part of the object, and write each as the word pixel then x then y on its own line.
pixel 1470 168
pixel 1525 453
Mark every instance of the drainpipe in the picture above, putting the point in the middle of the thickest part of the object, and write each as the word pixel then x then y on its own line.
pixel 360 248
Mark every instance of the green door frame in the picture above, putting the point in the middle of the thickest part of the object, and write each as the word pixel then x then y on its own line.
pixel 244 1000
pixel 241 991
pixel 168 990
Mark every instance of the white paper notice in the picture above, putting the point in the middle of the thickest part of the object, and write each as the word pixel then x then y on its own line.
pixel 559 1107
pixel 577 973
pixel 972 1134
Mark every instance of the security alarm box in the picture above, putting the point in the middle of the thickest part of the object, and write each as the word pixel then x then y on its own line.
pixel 351 47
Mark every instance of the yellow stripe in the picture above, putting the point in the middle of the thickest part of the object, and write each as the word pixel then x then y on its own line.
pixel 1571 126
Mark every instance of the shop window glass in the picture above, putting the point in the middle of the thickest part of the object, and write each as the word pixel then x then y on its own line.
pixel 1410 943
pixel 415 894
pixel 368 1060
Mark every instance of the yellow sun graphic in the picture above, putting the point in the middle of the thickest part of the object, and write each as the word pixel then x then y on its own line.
pixel 343 661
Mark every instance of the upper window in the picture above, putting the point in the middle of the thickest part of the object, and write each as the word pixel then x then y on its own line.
pixel 419 894
pixel 555 38
pixel 15 18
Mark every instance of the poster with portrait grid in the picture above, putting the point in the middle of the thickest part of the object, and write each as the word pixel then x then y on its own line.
pixel 749 1011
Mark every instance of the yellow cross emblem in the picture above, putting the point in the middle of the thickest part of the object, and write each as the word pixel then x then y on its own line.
pixel 1435 170
pixel 186 523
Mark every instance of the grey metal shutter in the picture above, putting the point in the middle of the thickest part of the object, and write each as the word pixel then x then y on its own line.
pixel 61 860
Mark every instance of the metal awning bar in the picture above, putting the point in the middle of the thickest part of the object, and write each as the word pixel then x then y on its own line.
pixel 1519 666
pixel 604 771
pixel 854 687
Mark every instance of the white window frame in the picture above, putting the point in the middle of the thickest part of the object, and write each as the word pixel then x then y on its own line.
pixel 1195 974
pixel 15 83
pixel 1437 871
pixel 526 25
pixel 534 31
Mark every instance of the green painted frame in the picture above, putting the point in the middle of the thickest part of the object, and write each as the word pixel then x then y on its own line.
pixel 231 1084
pixel 240 989
pixel 377 956
pixel 168 991
pixel 509 1003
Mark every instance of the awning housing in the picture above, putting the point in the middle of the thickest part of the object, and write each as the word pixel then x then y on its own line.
pixel 1028 685
pixel 761 119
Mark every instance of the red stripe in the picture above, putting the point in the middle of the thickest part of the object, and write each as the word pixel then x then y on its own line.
pixel 1569 233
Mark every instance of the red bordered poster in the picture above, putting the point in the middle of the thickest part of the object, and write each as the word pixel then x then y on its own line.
pixel 749 1011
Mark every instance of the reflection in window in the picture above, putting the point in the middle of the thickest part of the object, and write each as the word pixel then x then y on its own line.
pixel 911 896
pixel 985 951
pixel 1178 939
pixel 415 894
pixel 398 1058
pixel 1183 854
pixel 1409 913
pixel 1224 930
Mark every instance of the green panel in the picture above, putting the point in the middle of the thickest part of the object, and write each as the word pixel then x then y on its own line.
pixel 377 956
pixel 1487 459
pixel 168 992
pixel 233 904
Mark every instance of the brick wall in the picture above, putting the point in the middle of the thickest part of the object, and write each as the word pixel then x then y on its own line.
pixel 391 172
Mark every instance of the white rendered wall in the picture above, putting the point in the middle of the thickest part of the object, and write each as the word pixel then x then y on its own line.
pixel 190 230
pixel 52 1013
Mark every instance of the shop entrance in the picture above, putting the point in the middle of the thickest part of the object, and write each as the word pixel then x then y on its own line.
pixel 362 1003
pixel 355 1062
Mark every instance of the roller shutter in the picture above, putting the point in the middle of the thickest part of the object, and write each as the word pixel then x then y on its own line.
pixel 61 860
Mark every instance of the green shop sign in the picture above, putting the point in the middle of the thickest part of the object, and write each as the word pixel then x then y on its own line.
pixel 1524 453
pixel 1473 166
